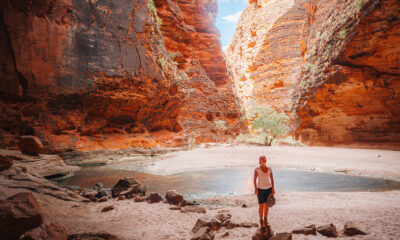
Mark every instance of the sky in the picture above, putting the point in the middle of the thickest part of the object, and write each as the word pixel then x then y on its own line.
pixel 228 14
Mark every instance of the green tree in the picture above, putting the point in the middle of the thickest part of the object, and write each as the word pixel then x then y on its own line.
pixel 266 121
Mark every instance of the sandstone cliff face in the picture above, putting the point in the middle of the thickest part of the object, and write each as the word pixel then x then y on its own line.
pixel 96 74
pixel 333 66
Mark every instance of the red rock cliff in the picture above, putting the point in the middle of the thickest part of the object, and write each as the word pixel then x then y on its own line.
pixel 87 74
pixel 333 66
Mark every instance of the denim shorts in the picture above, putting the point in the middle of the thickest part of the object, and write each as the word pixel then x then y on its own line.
pixel 263 195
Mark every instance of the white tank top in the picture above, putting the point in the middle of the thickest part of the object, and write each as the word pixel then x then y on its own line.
pixel 264 178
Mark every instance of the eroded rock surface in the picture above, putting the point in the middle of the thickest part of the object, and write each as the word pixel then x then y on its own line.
pixel 86 75
pixel 332 66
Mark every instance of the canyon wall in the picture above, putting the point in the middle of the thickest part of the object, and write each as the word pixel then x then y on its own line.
pixel 332 66
pixel 84 75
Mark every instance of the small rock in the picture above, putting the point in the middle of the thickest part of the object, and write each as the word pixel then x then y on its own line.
pixel 93 199
pixel 120 198
pixel 139 199
pixel 350 229
pixel 175 208
pixel 229 224
pixel 173 197
pixel 103 199
pixel 201 222
pixel 223 216
pixel 18 214
pixel 155 198
pixel 328 230
pixel 89 193
pixel 109 208
pixel 93 236
pixel 98 186
pixel 226 234
pixel 244 205
pixel 203 233
pixel 30 145
pixel 306 230
pixel 282 236
pixel 101 193
pixel 247 225
pixel 215 224
pixel 262 234
pixel 48 231
pixel 196 209
pixel 183 203
pixel 74 188
pixel 5 162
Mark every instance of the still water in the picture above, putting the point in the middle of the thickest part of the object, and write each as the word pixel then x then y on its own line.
pixel 230 181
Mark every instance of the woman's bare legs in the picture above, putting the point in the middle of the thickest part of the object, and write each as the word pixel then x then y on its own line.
pixel 260 213
pixel 266 208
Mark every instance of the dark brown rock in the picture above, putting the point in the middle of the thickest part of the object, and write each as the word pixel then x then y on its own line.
pixel 263 234
pixel 350 229
pixel 175 208
pixel 223 216
pixel 306 230
pixel 197 209
pixel 120 198
pixel 173 197
pixel 328 230
pixel 30 145
pixel 155 198
pixel 201 222
pixel 282 236
pixel 139 199
pixel 127 186
pixel 108 208
pixel 247 225
pixel 48 231
pixel 203 233
pixel 227 234
pixel 19 214
pixel 93 236
pixel 5 162
pixel 103 199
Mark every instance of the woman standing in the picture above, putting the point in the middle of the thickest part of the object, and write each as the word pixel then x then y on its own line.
pixel 263 188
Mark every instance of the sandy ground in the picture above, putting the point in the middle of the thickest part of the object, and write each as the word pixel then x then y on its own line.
pixel 377 213
pixel 366 162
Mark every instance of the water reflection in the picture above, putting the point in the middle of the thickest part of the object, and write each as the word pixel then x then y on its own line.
pixel 231 181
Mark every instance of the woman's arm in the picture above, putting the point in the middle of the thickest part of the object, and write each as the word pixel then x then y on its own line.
pixel 255 181
pixel 272 182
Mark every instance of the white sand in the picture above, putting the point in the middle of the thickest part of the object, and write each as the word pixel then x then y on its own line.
pixel 377 213
pixel 367 162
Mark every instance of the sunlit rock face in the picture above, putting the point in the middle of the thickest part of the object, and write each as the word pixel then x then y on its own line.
pixel 332 66
pixel 192 41
pixel 97 74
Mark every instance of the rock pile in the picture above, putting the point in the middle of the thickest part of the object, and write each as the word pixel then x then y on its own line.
pixel 329 230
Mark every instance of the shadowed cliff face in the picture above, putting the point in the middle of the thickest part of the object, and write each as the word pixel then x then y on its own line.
pixel 97 74
pixel 333 66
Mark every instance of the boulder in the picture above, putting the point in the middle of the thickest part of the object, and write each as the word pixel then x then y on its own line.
pixel 49 231
pixel 103 199
pixel 197 209
pixel 248 225
pixel 129 186
pixel 223 216
pixel 19 214
pixel 102 192
pixel 5 162
pixel 173 197
pixel 263 234
pixel 108 208
pixel 328 230
pixel 229 224
pixel 30 145
pixel 282 236
pixel 203 233
pixel 139 199
pixel 93 236
pixel 201 222
pixel 306 230
pixel 155 198
pixel 175 208
pixel 350 229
